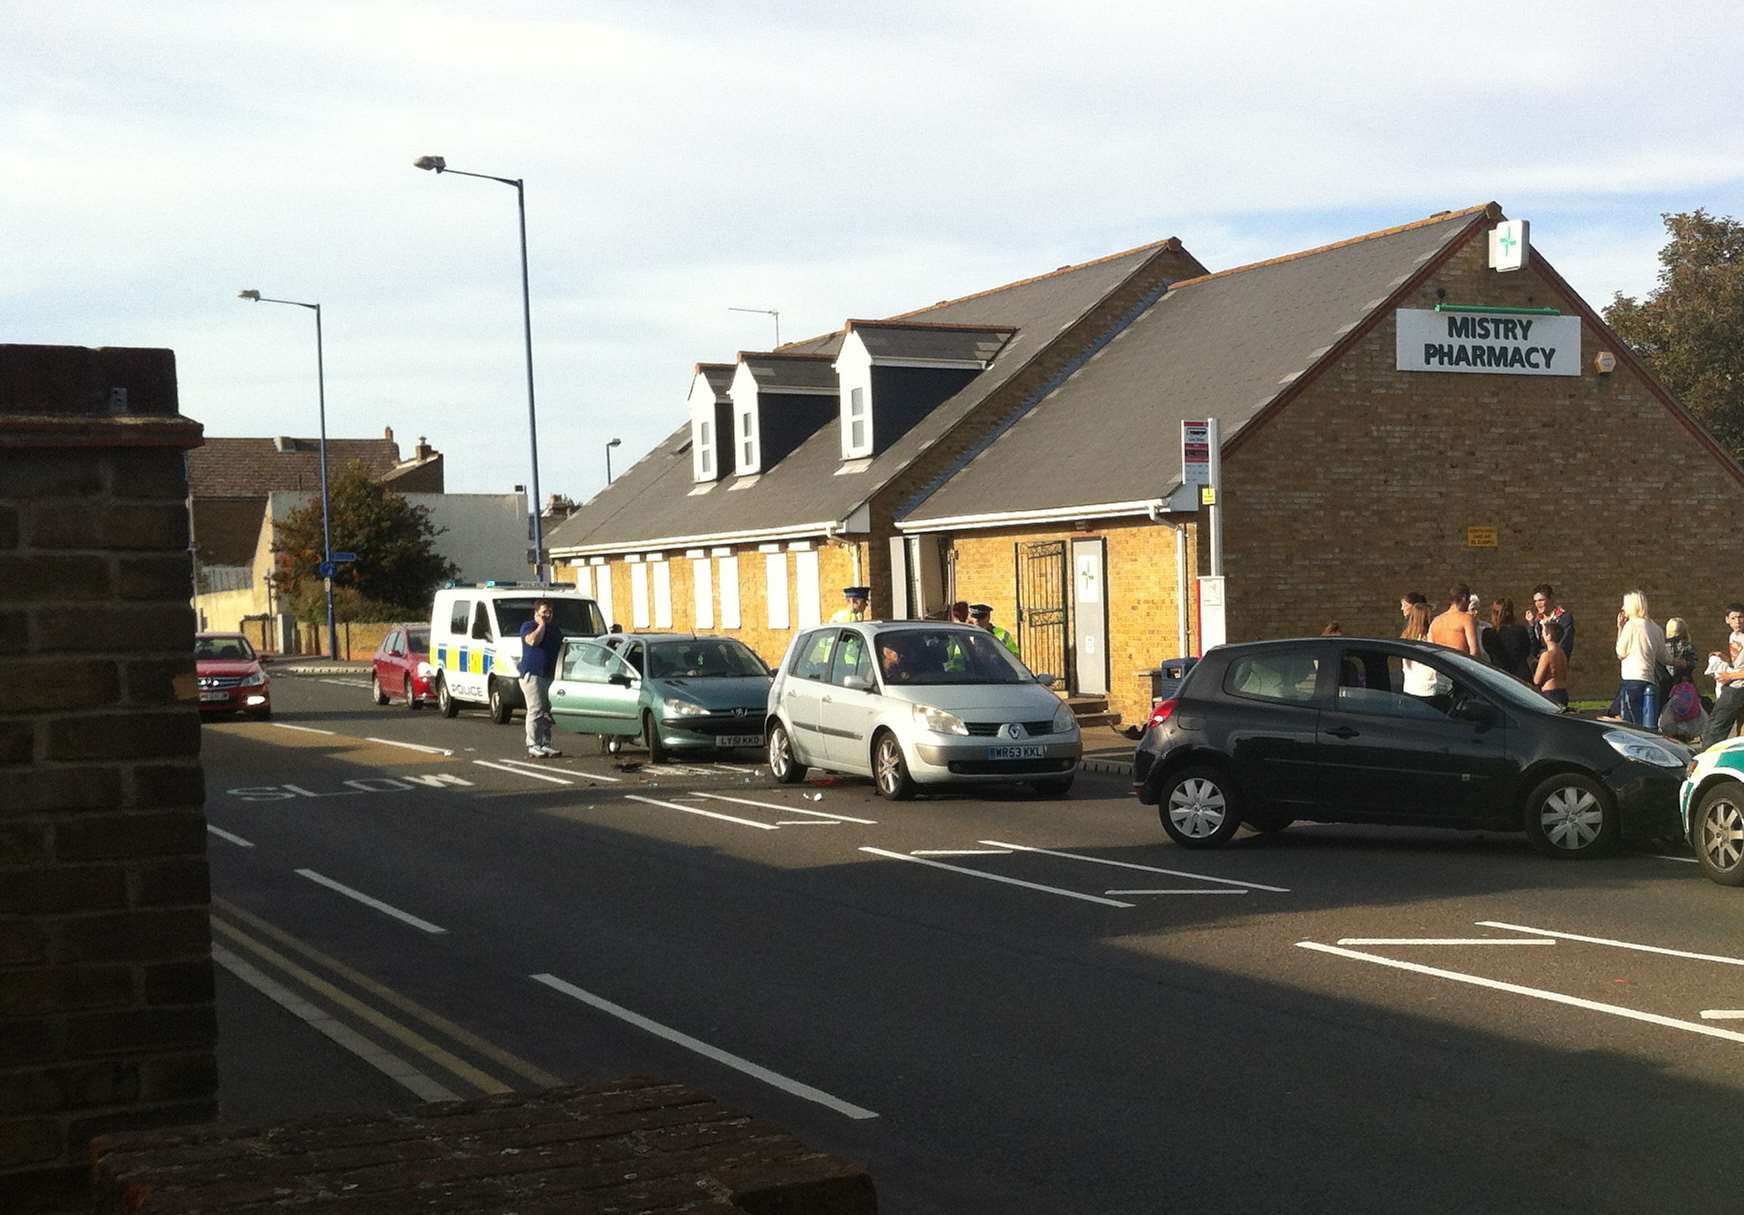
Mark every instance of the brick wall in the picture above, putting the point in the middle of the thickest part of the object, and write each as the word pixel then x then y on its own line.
pixel 1139 584
pixel 106 1017
pixel 1363 487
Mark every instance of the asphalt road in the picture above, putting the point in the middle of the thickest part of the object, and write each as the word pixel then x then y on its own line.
pixel 998 1002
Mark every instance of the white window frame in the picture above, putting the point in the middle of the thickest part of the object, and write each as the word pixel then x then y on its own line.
pixel 859 414
pixel 584 580
pixel 639 595
pixel 703 443
pixel 662 594
pixel 747 443
pixel 602 593
pixel 729 578
pixel 775 590
pixel 808 606
pixel 702 593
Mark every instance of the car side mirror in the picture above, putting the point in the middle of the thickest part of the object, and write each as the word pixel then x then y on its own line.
pixel 858 683
pixel 620 679
pixel 1047 681
pixel 1478 712
pixel 263 659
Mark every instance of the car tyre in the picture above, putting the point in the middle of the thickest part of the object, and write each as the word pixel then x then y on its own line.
pixel 784 765
pixel 376 691
pixel 445 700
pixel 411 699
pixel 1717 833
pixel 500 711
pixel 264 714
pixel 657 753
pixel 1571 816
pixel 890 769
pixel 1267 824
pixel 1199 807
pixel 1058 787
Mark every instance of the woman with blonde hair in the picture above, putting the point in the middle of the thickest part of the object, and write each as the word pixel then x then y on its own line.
pixel 1420 677
pixel 1641 653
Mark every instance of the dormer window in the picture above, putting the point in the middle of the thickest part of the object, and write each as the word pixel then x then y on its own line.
pixel 705 450
pixel 859 424
pixel 710 417
pixel 746 421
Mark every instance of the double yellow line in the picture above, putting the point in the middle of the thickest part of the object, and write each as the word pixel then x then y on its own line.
pixel 226 919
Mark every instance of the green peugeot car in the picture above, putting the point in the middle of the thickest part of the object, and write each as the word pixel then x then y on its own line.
pixel 1712 801
pixel 678 693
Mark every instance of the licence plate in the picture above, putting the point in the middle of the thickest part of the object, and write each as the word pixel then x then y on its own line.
pixel 214 696
pixel 1032 752
pixel 739 740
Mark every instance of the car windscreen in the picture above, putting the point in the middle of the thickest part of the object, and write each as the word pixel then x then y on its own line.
pixel 231 649
pixel 1503 687
pixel 702 658
pixel 418 640
pixel 575 617
pixel 945 656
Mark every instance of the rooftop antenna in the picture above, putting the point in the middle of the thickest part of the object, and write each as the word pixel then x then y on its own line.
pixel 774 312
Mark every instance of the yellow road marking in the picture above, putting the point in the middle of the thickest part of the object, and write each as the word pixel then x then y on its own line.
pixel 436 1021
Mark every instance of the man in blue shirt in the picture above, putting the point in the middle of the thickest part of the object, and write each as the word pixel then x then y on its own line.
pixel 541 641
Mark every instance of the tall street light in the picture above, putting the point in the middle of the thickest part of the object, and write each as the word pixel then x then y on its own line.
pixel 437 164
pixel 609 446
pixel 326 524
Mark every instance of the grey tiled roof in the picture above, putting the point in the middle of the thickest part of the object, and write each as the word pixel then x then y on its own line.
pixel 1220 346
pixel 252 468
pixel 899 340
pixel 791 370
pixel 653 500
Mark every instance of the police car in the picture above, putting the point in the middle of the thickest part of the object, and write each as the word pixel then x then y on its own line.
pixel 1712 804
pixel 475 640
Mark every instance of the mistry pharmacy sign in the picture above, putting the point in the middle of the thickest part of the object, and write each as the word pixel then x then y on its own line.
pixel 1488 342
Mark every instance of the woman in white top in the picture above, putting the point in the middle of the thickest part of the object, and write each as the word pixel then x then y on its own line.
pixel 1641 652
pixel 1420 678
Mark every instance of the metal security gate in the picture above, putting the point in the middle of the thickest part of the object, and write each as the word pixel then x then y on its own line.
pixel 1043 589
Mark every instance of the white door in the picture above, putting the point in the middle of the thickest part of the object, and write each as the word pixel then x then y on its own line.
pixel 1090 616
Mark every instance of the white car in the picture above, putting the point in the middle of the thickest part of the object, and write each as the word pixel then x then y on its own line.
pixel 1712 805
pixel 913 704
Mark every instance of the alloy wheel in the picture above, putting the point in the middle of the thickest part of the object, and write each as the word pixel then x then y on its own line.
pixel 1197 808
pixel 889 765
pixel 779 755
pixel 1571 818
pixel 1720 835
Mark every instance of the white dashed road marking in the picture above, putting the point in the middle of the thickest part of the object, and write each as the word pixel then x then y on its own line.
pixel 522 765
pixel 556 780
pixel 285 725
pixel 994 877
pixel 385 908
pixel 225 835
pixel 1445 941
pixel 785 1084
pixel 1193 890
pixel 1574 936
pixel 1097 860
pixel 388 742
pixel 1723 1014
pixel 725 818
pixel 745 801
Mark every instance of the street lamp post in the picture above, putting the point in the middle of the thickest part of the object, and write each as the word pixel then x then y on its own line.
pixel 437 164
pixel 609 446
pixel 326 521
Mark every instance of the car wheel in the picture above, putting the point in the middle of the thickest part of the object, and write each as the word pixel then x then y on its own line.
pixel 499 703
pixel 411 700
pixel 262 714
pixel 783 765
pixel 1199 808
pixel 657 753
pixel 1570 816
pixel 890 770
pixel 444 700
pixel 1058 787
pixel 1717 833
pixel 1267 824
pixel 376 690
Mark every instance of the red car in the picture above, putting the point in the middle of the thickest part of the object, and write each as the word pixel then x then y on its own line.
pixel 229 675
pixel 401 666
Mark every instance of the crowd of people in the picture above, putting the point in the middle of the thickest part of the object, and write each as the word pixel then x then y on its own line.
pixel 1658 666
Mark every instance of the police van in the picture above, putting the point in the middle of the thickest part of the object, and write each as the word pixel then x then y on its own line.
pixel 475 640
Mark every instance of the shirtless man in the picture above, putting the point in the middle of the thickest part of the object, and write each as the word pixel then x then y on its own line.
pixel 1456 628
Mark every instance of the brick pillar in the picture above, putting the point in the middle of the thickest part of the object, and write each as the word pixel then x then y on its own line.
pixel 106 996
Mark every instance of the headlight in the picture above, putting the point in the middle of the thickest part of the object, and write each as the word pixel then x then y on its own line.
pixel 1063 719
pixel 1642 749
pixel 676 707
pixel 253 681
pixel 423 670
pixel 939 721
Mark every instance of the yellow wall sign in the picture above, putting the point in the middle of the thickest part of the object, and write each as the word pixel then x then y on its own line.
pixel 1480 537
pixel 1207 495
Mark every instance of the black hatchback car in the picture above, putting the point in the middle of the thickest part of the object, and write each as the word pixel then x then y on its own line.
pixel 1269 732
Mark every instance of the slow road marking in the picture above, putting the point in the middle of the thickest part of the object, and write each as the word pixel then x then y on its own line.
pixel 727 1058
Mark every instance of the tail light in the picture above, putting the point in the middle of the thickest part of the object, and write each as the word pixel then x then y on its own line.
pixel 1160 712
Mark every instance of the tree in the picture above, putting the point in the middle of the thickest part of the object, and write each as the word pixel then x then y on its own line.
pixel 397 567
pixel 1690 328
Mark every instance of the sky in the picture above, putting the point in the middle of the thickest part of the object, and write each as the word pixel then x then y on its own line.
pixel 829 161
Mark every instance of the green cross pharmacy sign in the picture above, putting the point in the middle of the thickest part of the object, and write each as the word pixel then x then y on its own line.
pixel 1509 245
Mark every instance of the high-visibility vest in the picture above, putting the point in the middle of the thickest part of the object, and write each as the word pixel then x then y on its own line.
pixel 1005 639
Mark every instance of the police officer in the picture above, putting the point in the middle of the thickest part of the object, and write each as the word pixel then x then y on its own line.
pixel 854 610
pixel 981 616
